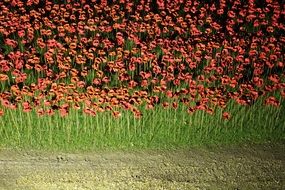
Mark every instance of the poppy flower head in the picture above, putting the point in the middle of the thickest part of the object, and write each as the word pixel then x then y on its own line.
pixel 226 115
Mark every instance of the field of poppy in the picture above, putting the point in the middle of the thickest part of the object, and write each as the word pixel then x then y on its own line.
pixel 143 73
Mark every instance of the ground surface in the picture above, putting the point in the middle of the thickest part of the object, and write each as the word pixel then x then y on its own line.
pixel 235 167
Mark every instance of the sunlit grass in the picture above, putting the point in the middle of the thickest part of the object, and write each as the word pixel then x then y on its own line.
pixel 162 128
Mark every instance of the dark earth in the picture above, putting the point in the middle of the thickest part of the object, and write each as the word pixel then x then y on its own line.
pixel 251 166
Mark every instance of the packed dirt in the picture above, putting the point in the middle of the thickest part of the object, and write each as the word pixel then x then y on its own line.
pixel 228 167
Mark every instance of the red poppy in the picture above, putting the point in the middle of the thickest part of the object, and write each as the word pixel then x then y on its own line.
pixel 175 105
pixel 3 77
pixel 63 112
pixel 137 114
pixel 226 115
pixel 258 81
pixel 149 106
pixel 274 78
pixel 270 29
pixel 1 112
pixel 27 109
pixel 165 104
pixel 231 14
pixel 271 100
pixel 190 110
pixel 40 112
pixel 282 93
pixel 116 114
pixel 132 84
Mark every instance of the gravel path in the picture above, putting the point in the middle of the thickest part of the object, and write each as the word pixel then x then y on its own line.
pixel 239 167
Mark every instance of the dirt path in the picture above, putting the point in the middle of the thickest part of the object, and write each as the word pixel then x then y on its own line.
pixel 242 167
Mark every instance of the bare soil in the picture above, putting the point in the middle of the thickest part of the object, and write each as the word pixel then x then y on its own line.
pixel 228 167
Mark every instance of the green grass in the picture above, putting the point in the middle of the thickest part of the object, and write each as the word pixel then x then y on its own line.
pixel 157 129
